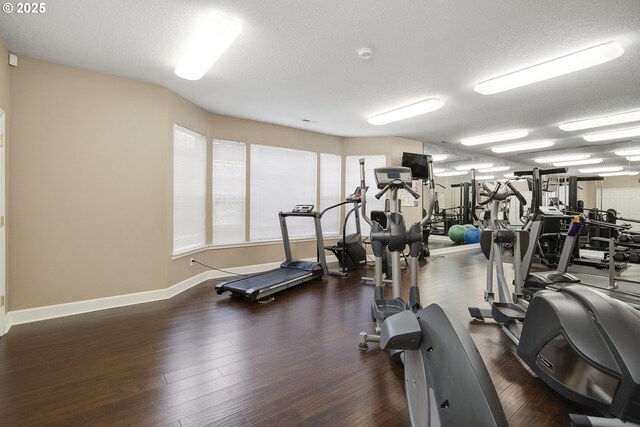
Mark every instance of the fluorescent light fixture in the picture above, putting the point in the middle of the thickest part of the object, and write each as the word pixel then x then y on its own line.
pixel 439 157
pixel 562 158
pixel 603 169
pixel 495 137
pixel 495 169
pixel 474 166
pixel 633 158
pixel 438 170
pixel 631 152
pixel 578 162
pixel 509 175
pixel 618 173
pixel 523 146
pixel 614 119
pixel 614 134
pixel 556 67
pixel 422 107
pixel 484 177
pixel 452 173
pixel 214 37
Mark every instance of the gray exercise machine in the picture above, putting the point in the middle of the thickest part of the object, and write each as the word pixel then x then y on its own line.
pixel 580 342
pixel 446 381
pixel 292 272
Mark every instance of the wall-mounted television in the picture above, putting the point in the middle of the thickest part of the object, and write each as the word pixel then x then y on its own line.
pixel 418 164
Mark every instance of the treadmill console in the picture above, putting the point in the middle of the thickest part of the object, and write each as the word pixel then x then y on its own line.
pixel 302 209
pixel 550 210
pixel 386 176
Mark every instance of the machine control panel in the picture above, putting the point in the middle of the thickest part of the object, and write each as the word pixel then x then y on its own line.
pixel 550 210
pixel 386 176
pixel 302 209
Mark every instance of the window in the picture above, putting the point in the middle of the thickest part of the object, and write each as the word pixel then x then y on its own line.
pixel 330 179
pixel 280 178
pixel 352 180
pixel 229 191
pixel 189 189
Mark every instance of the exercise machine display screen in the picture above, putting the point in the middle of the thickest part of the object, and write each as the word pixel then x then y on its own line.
pixel 385 176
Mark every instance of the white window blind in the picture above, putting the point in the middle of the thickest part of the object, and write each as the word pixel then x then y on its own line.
pixel 228 192
pixel 352 180
pixel 189 189
pixel 280 178
pixel 330 180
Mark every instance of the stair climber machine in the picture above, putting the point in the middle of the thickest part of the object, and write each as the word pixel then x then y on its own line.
pixel 446 381
pixel 580 342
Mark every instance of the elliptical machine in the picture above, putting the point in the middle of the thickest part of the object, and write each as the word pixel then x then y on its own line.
pixel 580 342
pixel 446 381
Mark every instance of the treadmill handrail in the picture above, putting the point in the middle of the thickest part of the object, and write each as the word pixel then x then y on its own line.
pixel 312 214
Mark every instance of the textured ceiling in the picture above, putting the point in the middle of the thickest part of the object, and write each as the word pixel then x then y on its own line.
pixel 296 59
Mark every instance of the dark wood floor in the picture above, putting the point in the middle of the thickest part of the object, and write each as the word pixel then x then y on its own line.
pixel 203 359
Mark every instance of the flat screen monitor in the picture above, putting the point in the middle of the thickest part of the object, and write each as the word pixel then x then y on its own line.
pixel 418 164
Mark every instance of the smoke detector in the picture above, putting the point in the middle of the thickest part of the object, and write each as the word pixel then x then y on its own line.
pixel 365 53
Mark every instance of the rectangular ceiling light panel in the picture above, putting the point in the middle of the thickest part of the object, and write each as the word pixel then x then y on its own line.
pixel 578 162
pixel 214 37
pixel 614 119
pixel 495 137
pixel 556 67
pixel 614 134
pixel 522 147
pixel 422 107
pixel 562 158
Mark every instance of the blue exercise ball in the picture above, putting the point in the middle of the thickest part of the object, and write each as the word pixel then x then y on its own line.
pixel 472 235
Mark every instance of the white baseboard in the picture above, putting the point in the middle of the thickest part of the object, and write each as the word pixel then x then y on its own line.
pixel 18 317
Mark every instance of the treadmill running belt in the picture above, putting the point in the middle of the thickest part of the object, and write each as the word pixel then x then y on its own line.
pixel 263 284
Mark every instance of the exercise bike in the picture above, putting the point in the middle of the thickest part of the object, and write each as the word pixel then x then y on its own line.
pixel 446 381
pixel 580 342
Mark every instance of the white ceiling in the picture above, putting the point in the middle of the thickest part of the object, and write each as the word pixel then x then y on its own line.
pixel 296 59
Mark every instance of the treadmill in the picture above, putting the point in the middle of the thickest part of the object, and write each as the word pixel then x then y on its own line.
pixel 291 272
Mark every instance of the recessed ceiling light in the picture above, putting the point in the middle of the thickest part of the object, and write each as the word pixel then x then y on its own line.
pixel 603 169
pixel 618 173
pixel 495 137
pixel 556 67
pixel 595 122
pixel 578 162
pixel 523 146
pixel 485 177
pixel 630 152
pixel 633 158
pixel 422 107
pixel 474 166
pixel 439 157
pixel 212 39
pixel 562 158
pixel 495 169
pixel 614 134
pixel 452 173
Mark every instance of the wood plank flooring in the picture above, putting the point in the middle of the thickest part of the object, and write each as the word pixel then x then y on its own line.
pixel 201 359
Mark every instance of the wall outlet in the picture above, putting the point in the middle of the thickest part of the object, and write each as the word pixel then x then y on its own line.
pixel 191 262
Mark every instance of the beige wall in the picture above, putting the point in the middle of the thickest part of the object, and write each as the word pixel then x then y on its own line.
pixel 87 193
pixel 90 194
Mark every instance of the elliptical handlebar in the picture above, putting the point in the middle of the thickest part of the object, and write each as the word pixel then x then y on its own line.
pixel 363 197
pixel 516 193
pixel 492 195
